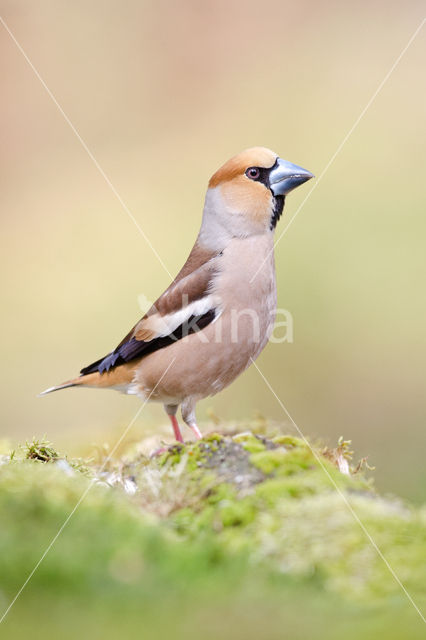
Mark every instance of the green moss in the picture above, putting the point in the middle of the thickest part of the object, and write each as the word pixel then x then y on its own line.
pixel 250 442
pixel 172 455
pixel 41 450
pixel 269 461
pixel 288 441
pixel 196 453
pixel 244 505
pixel 278 488
pixel 213 438
pixel 236 512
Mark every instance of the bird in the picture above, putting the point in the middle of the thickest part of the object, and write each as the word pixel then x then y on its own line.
pixel 216 316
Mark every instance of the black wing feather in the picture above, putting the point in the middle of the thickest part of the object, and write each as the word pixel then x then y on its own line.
pixel 132 349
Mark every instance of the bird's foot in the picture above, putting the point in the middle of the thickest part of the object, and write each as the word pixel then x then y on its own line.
pixel 158 452
pixel 196 430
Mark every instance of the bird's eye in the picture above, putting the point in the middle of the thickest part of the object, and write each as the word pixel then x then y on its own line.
pixel 253 173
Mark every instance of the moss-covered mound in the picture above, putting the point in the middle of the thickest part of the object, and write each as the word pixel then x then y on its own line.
pixel 234 519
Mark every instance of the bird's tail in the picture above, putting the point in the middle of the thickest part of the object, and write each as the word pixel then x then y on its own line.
pixel 116 377
pixel 64 385
pixel 88 380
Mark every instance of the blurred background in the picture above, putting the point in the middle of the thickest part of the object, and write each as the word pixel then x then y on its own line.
pixel 163 93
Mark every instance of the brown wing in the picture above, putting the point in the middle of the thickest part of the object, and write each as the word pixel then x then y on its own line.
pixel 198 258
pixel 161 326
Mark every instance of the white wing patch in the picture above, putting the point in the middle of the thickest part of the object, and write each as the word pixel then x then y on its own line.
pixel 158 326
pixel 170 322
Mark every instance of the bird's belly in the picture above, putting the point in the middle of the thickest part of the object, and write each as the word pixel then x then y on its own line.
pixel 204 363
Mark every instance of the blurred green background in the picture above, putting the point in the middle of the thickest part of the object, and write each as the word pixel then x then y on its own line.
pixel 163 93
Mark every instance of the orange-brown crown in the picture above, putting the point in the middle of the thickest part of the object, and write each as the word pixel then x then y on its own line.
pixel 236 166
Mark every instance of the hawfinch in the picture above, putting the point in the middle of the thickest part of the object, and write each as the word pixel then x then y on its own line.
pixel 217 314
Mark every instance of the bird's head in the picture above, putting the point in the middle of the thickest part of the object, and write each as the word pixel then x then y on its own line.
pixel 246 195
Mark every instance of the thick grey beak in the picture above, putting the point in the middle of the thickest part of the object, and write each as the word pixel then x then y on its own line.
pixel 285 176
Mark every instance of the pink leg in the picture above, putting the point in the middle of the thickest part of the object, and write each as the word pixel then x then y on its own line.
pixel 196 431
pixel 188 415
pixel 176 429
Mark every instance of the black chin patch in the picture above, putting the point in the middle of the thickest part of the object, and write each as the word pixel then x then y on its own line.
pixel 277 210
